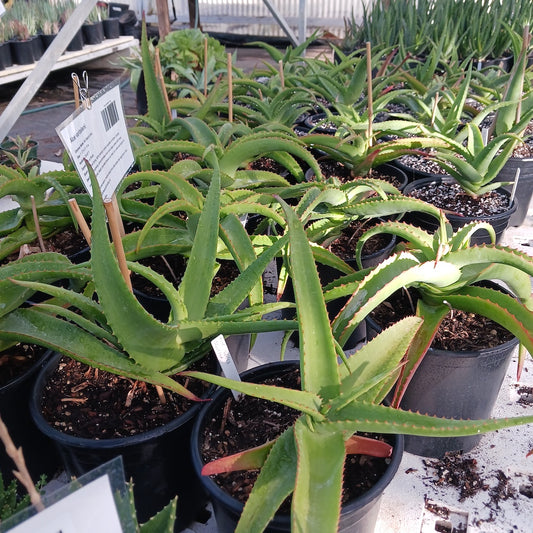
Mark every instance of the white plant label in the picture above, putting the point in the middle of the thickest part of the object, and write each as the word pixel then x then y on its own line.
pixel 98 134
pixel 88 509
pixel 226 361
pixel 2 9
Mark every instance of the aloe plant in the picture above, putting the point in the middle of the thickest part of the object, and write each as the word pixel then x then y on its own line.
pixel 17 226
pixel 105 336
pixel 336 401
pixel 445 271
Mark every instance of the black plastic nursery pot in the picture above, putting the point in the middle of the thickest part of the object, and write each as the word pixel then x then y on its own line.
pixel 93 33
pixel 38 47
pixel 39 452
pixel 158 461
pixel 524 188
pixel 463 385
pixel 452 384
pixel 111 28
pixel 22 52
pixel 499 221
pixel 6 60
pixel 77 42
pixel 358 516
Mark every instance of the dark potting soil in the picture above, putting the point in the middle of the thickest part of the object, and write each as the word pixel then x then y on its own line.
pixel 334 169
pixel 238 427
pixel 95 404
pixel 16 360
pixel 459 331
pixel 344 245
pixel 66 242
pixel 452 198
pixel 172 267
pixel 268 164
pixel 459 471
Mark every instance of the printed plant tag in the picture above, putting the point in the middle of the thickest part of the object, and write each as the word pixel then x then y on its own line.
pixel 97 134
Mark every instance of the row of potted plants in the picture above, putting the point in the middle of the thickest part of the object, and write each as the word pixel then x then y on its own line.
pixel 197 175
pixel 477 29
pixel 28 28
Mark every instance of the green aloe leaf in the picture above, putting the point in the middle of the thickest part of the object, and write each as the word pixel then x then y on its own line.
pixel 274 483
pixel 317 480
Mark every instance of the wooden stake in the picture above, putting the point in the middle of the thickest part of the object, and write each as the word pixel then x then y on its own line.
pixel 21 473
pixel 113 217
pixel 369 90
pixel 281 73
pixel 230 89
pixel 121 223
pixel 37 225
pixel 76 95
pixel 205 66
pixel 81 221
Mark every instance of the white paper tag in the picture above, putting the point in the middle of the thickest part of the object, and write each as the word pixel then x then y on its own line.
pixel 226 361
pixel 2 9
pixel 88 509
pixel 99 135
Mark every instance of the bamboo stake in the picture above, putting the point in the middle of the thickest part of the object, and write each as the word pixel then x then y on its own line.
pixel 81 220
pixel 230 89
pixel 117 210
pixel 21 473
pixel 37 225
pixel 113 217
pixel 76 95
pixel 205 66
pixel 369 90
pixel 281 73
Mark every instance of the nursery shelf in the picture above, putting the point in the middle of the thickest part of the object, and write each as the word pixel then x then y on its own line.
pixel 68 59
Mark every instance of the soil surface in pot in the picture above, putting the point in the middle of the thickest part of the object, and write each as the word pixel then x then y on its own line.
pixel 344 245
pixel 452 198
pixel 238 427
pixel 18 359
pixel 90 403
pixel 422 164
pixel 334 169
pixel 66 242
pixel 172 267
pixel 459 331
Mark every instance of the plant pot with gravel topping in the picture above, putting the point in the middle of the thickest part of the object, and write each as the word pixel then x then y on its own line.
pixel 494 207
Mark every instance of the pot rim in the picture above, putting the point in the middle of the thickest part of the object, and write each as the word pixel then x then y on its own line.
pixel 83 442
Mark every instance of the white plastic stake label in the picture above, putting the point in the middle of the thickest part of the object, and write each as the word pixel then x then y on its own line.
pixel 2 9
pixel 226 361
pixel 98 134
pixel 88 509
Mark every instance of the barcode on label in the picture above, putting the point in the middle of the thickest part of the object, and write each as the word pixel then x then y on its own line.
pixel 110 116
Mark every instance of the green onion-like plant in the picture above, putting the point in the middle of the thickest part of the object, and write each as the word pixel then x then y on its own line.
pixel 336 401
